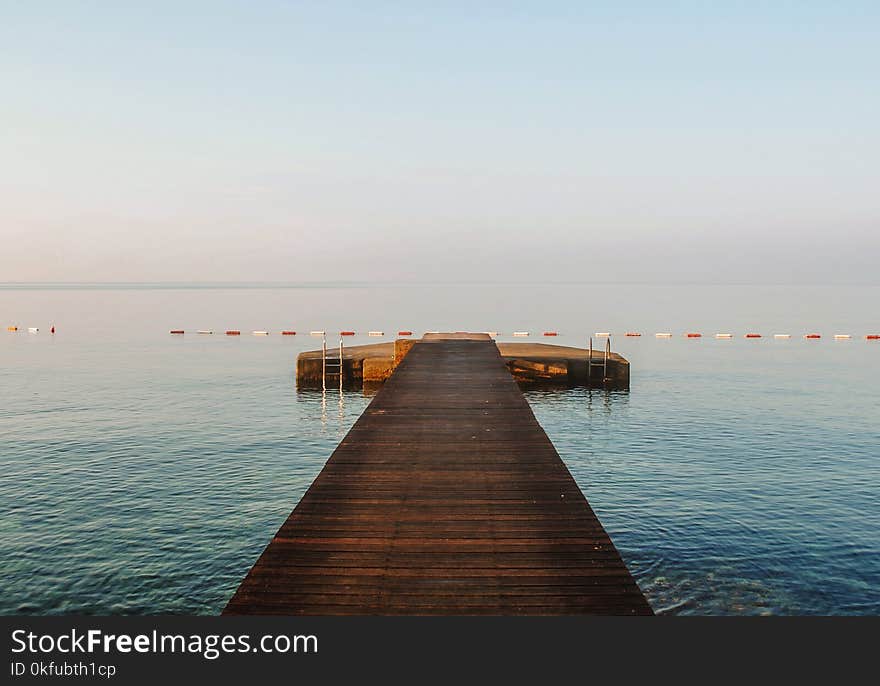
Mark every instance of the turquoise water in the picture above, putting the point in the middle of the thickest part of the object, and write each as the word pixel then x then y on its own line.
pixel 144 473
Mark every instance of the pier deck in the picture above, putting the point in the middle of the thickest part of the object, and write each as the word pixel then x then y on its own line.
pixel 446 497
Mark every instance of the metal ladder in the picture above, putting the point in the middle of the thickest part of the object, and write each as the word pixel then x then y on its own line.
pixel 331 365
pixel 603 364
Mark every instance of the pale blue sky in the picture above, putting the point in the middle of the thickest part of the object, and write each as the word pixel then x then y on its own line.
pixel 400 140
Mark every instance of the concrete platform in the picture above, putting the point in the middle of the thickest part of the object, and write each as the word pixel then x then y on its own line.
pixel 529 363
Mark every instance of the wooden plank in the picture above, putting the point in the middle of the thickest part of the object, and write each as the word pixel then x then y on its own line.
pixel 446 497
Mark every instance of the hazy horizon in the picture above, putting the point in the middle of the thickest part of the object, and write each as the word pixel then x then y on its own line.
pixel 354 283
pixel 546 142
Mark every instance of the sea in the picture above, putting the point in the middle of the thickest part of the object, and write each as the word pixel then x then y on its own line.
pixel 144 472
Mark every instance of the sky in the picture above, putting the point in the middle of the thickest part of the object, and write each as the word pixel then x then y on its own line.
pixel 519 141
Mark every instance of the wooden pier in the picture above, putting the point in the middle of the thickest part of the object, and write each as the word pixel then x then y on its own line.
pixel 446 497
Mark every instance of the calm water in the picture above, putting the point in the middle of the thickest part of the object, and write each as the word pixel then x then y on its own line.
pixel 144 473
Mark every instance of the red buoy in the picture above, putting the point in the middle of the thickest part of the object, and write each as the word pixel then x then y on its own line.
pixel 873 337
pixel 346 333
pixel 694 335
pixel 632 334
pixel 288 333
pixel 404 333
pixel 52 330
pixel 176 330
pixel 233 332
pixel 753 335
pixel 551 333
pixel 813 335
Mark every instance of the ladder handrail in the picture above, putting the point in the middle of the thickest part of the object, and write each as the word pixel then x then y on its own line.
pixel 324 361
pixel 604 363
pixel 605 360
pixel 337 364
pixel 590 364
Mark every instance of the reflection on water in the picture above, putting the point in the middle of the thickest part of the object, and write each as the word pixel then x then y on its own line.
pixel 335 419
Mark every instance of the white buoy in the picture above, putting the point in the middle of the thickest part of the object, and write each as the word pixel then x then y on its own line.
pixel 723 335
pixel 842 337
pixel 602 334
pixel 204 332
pixel 664 334
pixel 375 333
pixel 33 329
pixel 260 333
pixel 520 333
pixel 316 333
pixel 782 335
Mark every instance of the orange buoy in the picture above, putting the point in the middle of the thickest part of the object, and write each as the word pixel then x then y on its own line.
pixel 551 333
pixel 404 333
pixel 176 330
pixel 288 333
pixel 346 333
pixel 233 332
pixel 813 335
pixel 753 335
pixel 694 335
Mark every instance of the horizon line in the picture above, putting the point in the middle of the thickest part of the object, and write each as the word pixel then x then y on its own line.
pixel 206 283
